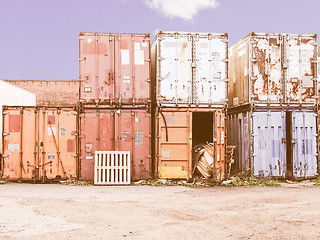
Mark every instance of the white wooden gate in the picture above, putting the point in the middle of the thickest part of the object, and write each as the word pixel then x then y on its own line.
pixel 112 168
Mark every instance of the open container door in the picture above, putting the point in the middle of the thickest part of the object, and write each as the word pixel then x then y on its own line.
pixel 174 145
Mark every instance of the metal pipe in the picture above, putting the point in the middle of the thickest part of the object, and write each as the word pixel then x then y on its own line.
pixel 165 124
pixel 21 143
pixel 43 142
pixel 35 143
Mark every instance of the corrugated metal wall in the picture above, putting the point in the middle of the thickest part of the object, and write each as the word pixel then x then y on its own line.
pixel 190 69
pixel 273 69
pixel 179 131
pixel 114 68
pixel 116 130
pixel 274 142
pixel 40 143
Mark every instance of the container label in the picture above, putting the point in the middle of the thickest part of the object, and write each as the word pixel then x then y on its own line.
pixel 136 119
pixel 126 79
pixel 89 157
pixel 63 131
pixel 138 138
pixel 13 147
pixel 165 153
pixel 51 156
pixel 50 130
pixel 125 57
pixel 138 57
pixel 87 89
pixel 137 45
pixel 126 136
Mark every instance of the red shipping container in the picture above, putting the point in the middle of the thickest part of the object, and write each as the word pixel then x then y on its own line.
pixel 116 130
pixel 114 68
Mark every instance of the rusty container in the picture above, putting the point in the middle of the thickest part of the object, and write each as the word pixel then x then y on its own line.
pixel 40 143
pixel 114 68
pixel 189 69
pixel 178 132
pixel 274 142
pixel 103 129
pixel 273 69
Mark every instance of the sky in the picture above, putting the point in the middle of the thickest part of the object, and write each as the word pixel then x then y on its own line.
pixel 39 38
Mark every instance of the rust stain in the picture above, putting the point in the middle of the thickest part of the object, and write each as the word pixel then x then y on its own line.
pixel 305 41
pixel 183 51
pixel 261 56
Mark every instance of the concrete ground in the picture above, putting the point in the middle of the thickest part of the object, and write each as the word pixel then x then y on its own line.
pixel 55 211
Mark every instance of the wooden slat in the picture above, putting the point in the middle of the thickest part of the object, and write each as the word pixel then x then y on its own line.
pixel 112 167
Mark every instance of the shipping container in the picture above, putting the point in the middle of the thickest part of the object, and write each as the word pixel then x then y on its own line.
pixel 14 96
pixel 178 133
pixel 114 68
pixel 189 69
pixel 279 143
pixel 103 129
pixel 40 143
pixel 274 69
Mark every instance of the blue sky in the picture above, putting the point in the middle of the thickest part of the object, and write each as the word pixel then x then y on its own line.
pixel 39 38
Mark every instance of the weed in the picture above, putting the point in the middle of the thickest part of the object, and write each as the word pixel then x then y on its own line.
pixel 249 181
pixel 3 182
pixel 77 182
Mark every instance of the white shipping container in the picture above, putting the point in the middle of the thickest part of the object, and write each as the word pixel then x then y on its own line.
pixel 11 95
pixel 190 68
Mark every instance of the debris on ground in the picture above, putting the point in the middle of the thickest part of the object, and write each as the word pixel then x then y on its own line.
pixel 76 182
pixel 201 182
pixel 236 181
pixel 203 159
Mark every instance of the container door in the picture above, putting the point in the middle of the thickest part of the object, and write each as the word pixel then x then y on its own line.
pixel 96 134
pixel 133 134
pixel 132 69
pixel 219 130
pixel 96 67
pixel 174 151
pixel 266 69
pixel 67 144
pixel 175 80
pixel 18 144
pixel 211 65
pixel 269 145
pixel 301 71
pixel 58 153
pixel 304 148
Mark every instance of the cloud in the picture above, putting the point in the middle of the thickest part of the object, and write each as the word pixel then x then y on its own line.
pixel 185 9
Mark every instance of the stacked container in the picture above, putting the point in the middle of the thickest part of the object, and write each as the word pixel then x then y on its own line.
pixel 272 115
pixel 115 100
pixel 189 87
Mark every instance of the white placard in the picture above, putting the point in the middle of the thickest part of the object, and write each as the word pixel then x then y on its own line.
pixel 138 57
pixel 137 45
pixel 166 153
pixel 63 131
pixel 50 132
pixel 125 57
pixel 13 147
